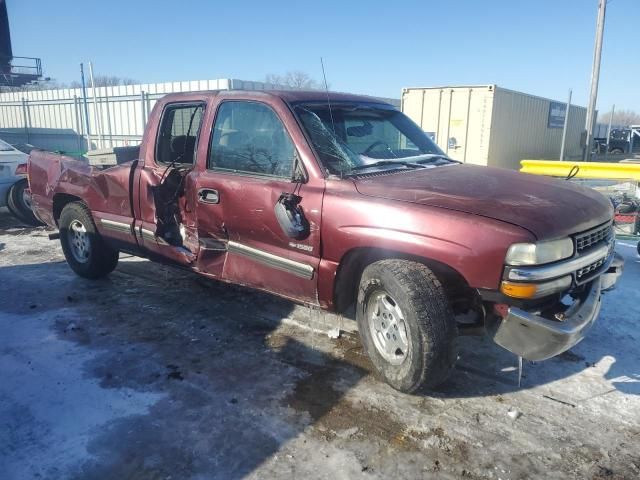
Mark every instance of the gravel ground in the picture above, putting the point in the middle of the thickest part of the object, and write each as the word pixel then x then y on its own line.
pixel 156 373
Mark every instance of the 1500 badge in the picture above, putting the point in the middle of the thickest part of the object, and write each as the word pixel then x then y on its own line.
pixel 301 246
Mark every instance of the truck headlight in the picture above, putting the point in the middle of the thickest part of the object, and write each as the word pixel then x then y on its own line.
pixel 539 253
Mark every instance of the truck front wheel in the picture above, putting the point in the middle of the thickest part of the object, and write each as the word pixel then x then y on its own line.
pixel 406 324
pixel 83 247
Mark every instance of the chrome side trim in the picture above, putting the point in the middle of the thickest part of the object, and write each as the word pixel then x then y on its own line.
pixel 149 236
pixel 213 244
pixel 299 269
pixel 545 272
pixel 119 227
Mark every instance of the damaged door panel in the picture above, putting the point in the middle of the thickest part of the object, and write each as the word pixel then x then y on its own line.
pixel 210 204
pixel 166 224
pixel 260 200
pixel 118 216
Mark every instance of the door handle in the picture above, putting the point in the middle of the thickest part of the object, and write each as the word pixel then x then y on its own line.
pixel 208 195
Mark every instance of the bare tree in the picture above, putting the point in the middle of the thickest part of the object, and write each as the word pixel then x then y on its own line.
pixel 295 79
pixel 274 79
pixel 620 117
pixel 112 81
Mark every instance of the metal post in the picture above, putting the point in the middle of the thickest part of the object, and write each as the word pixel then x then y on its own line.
pixel 466 130
pixel 595 77
pixel 148 106
pixel 96 116
pixel 144 116
pixel 86 108
pixel 25 114
pixel 76 107
pixel 421 111
pixel 449 121
pixel 606 151
pixel 564 128
pixel 439 112
pixel 106 104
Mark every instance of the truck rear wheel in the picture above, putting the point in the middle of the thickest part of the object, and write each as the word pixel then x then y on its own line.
pixel 406 324
pixel 83 247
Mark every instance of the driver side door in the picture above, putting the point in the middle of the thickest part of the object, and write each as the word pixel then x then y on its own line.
pixel 250 166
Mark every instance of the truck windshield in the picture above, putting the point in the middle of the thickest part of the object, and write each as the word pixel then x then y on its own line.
pixel 351 138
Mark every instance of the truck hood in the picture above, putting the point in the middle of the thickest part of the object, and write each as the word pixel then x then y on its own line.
pixel 548 208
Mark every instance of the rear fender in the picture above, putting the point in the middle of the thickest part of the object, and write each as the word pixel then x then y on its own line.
pixel 57 179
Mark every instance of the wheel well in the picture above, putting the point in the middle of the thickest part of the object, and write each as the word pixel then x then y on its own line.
pixel 60 200
pixel 458 291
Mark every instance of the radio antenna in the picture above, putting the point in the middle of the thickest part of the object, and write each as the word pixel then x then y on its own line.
pixel 326 89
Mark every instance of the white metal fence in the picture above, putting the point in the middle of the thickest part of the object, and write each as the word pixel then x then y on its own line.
pixel 55 119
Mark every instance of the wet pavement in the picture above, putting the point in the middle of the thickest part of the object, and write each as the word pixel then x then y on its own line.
pixel 158 373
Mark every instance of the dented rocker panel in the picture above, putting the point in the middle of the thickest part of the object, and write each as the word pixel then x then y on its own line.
pixel 297 268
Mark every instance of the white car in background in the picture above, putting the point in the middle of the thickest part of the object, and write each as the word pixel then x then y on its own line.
pixel 14 189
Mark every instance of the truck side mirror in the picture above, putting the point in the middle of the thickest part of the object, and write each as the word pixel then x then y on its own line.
pixel 291 217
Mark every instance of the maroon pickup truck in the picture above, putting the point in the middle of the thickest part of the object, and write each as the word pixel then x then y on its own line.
pixel 339 200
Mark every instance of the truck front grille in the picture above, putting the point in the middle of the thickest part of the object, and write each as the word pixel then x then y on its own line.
pixel 592 237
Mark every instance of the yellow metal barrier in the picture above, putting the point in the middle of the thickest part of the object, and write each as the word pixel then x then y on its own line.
pixel 600 170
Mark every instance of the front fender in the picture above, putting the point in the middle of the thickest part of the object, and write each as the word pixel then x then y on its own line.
pixel 472 245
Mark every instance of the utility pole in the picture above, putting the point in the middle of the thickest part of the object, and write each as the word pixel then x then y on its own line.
pixel 595 77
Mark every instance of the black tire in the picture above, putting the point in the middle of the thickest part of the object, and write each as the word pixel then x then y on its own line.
pixel 617 151
pixel 18 205
pixel 431 332
pixel 86 252
pixel 14 213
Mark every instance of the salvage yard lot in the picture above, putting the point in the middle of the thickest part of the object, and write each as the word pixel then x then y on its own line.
pixel 159 373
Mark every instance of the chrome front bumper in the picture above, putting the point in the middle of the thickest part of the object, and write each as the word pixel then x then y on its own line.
pixel 610 276
pixel 534 337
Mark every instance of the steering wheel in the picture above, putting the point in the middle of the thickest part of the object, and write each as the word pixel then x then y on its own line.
pixel 375 144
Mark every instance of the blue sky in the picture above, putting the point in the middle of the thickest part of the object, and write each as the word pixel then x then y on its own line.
pixel 542 47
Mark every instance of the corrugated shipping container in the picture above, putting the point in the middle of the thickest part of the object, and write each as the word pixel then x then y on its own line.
pixel 490 125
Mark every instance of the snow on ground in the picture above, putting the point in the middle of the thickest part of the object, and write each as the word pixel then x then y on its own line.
pixel 158 373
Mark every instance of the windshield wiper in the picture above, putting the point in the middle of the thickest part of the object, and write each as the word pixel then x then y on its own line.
pixel 433 157
pixel 388 162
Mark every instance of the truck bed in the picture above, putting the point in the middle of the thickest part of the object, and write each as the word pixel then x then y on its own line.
pixel 53 175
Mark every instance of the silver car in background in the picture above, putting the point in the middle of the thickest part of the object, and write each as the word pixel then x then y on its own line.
pixel 14 188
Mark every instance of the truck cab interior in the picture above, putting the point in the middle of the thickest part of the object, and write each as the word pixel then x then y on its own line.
pixel 178 134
